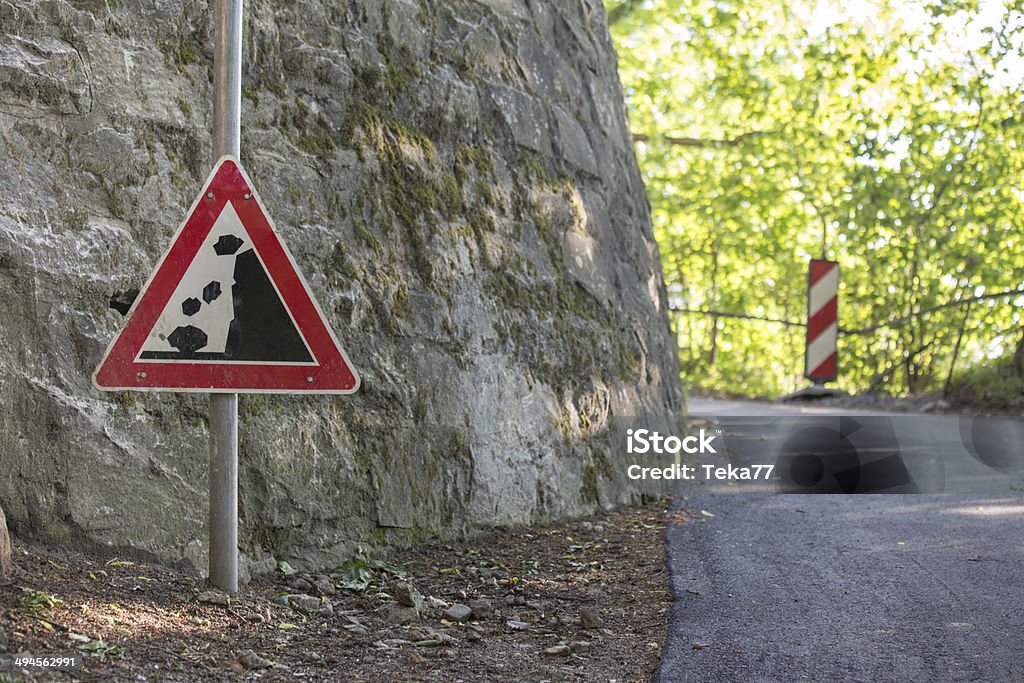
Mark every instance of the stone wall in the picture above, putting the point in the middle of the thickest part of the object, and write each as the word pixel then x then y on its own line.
pixel 458 186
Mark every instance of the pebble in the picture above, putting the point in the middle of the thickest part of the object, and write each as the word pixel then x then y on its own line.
pixel 214 598
pixel 557 650
pixel 590 618
pixel 481 608
pixel 402 615
pixel 458 612
pixel 301 585
pixel 303 603
pixel 407 595
pixel 325 586
pixel 250 660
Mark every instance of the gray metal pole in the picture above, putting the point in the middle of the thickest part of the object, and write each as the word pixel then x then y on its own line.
pixel 227 106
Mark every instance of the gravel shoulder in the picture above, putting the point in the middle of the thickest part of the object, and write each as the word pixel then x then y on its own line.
pixel 583 601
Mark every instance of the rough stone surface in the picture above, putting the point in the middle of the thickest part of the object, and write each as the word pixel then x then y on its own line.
pixel 398 614
pixel 590 618
pixel 457 183
pixel 458 612
pixel 407 595
pixel 481 608
pixel 304 603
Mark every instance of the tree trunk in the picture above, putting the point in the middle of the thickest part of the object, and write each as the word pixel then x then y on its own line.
pixel 1018 357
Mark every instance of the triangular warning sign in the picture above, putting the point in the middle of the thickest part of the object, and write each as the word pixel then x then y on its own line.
pixel 226 310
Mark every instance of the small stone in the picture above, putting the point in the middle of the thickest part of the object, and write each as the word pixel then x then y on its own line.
pixel 598 528
pixel 402 615
pixel 325 586
pixel 590 618
pixel 473 636
pixel 510 600
pixel 407 595
pixel 214 598
pixel 557 650
pixel 304 603
pixel 481 608
pixel 586 526
pixel 436 603
pixel 301 585
pixel 458 612
pixel 579 645
pixel 250 660
pixel 517 625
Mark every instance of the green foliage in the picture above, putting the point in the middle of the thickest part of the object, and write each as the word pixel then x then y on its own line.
pixel 105 651
pixel 885 135
pixel 359 572
pixel 997 383
pixel 38 601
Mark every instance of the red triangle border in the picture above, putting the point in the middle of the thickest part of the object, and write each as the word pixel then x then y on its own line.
pixel 331 374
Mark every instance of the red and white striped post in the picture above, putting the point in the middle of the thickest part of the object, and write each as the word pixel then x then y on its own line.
pixel 821 359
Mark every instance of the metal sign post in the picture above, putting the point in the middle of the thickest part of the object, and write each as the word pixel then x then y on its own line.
pixel 271 338
pixel 223 474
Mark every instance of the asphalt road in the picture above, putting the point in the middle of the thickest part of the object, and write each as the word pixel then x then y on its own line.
pixel 896 587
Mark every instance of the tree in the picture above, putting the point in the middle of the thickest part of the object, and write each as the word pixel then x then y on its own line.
pixel 885 135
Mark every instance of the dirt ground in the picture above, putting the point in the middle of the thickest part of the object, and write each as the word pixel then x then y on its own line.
pixel 583 601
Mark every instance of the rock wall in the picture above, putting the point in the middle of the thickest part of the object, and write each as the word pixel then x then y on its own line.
pixel 457 183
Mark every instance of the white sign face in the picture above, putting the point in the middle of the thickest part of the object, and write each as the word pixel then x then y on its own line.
pixel 204 297
pixel 226 309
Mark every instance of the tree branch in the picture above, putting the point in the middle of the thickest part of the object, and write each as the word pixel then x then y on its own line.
pixel 951 304
pixel 862 331
pixel 700 142
pixel 738 316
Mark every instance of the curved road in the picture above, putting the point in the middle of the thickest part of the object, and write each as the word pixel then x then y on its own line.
pixel 918 587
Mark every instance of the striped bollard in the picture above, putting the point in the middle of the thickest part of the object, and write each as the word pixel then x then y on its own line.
pixel 821 363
